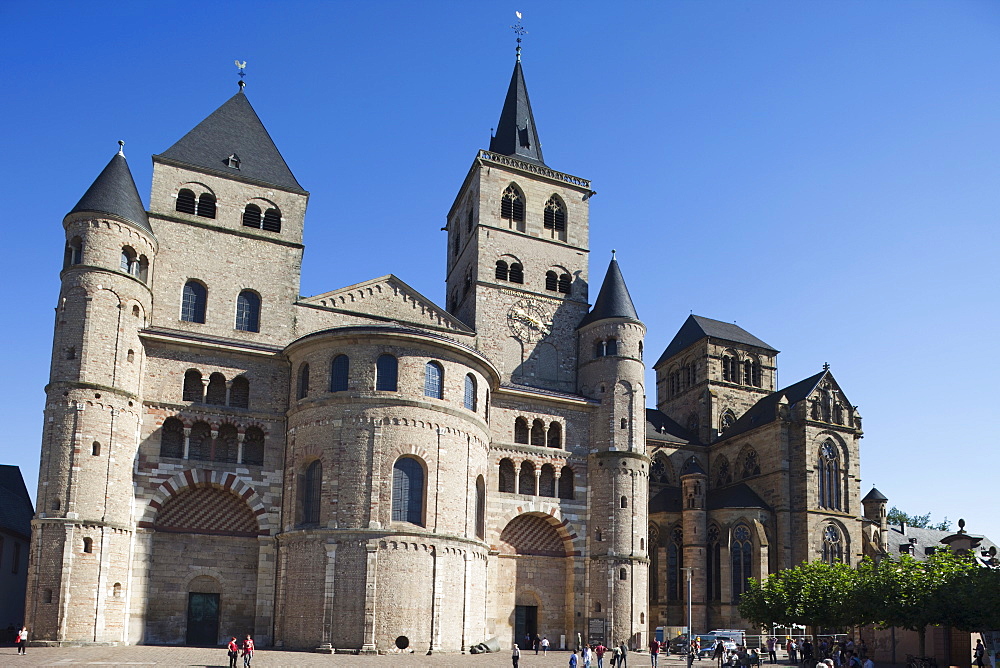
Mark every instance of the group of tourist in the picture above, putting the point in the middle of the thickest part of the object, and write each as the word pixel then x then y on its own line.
pixel 619 656
pixel 234 651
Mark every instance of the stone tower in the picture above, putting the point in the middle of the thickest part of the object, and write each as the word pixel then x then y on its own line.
pixel 710 374
pixel 874 504
pixel 694 518
pixel 517 252
pixel 611 372
pixel 83 529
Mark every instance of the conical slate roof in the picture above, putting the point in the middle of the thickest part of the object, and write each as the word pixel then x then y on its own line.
pixel 516 135
pixel 234 129
pixel 114 192
pixel 613 301
pixel 696 328
pixel 875 495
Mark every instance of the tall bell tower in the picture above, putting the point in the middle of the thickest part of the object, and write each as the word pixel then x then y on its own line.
pixel 517 252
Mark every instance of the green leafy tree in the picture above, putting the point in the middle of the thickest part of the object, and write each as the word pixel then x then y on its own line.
pixel 812 594
pixel 897 516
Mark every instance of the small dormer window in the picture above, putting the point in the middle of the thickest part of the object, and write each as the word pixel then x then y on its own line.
pixel 233 161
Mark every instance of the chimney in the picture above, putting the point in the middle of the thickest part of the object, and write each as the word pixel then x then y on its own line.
pixel 902 528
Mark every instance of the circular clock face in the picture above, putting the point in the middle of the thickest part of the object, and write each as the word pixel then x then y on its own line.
pixel 528 320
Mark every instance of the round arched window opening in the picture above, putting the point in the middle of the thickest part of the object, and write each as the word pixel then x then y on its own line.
pixel 402 642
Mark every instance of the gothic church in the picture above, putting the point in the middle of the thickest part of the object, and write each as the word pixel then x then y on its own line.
pixel 364 469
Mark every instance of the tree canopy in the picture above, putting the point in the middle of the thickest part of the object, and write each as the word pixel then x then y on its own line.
pixel 897 516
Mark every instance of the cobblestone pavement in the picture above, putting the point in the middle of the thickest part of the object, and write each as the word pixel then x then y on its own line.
pixel 144 655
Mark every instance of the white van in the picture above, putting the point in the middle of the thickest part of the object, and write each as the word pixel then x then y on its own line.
pixel 738 636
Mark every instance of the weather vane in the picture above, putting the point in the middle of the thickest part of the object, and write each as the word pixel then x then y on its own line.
pixel 242 66
pixel 519 31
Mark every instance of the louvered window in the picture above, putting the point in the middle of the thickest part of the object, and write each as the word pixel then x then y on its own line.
pixel 512 205
pixel 386 367
pixel 565 281
pixel 193 302
pixel 251 216
pixel 272 220
pixel 206 205
pixel 555 216
pixel 516 273
pixel 551 281
pixel 433 380
pixel 339 369
pixel 407 491
pixel 470 392
pixel 185 201
pixel 248 311
pixel 502 272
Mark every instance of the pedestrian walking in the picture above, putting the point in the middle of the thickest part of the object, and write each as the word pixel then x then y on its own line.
pixel 697 647
pixel 599 651
pixel 515 655
pixel 772 654
pixel 868 663
pixel 793 651
pixel 616 656
pixel 719 653
pixel 623 659
pixel 537 644
pixel 654 651
pixel 545 645
pixel 22 640
pixel 247 651
pixel 573 661
pixel 234 651
pixel 690 657
pixel 586 656
pixel 979 654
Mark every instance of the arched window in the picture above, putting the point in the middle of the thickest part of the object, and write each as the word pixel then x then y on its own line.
pixel 253 446
pixel 251 216
pixel 502 272
pixel 547 481
pixel 408 491
pixel 312 492
pixel 555 435
pixel 507 476
pixel 741 552
pixel 433 380
pixel 194 302
pixel 239 392
pixel 727 420
pixel 565 283
pixel 750 463
pixel 623 503
pixel 185 201
pixel 622 574
pixel 129 261
pixel 521 430
pixel 516 273
pixel 470 392
pixel 227 445
pixel 193 388
pixel 216 393
pixel 551 281
pixel 172 438
pixel 566 490
pixel 340 369
pixel 95 448
pixel 723 476
pixel 200 442
pixel 537 432
pixel 512 207
pixel 555 218
pixel 386 367
pixel 526 479
pixel 248 311
pixel 611 347
pixel 468 220
pixel 748 373
pixel 480 508
pixel 116 590
pixel 675 562
pixel 303 384
pixel 730 367
pixel 74 252
pixel 142 272
pixel 206 205
pixel 661 471
pixel 828 468
pixel 833 546
pixel 88 545
pixel 46 596
pixel 713 570
pixel 272 221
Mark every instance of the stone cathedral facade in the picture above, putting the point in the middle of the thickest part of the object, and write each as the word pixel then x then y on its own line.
pixel 365 469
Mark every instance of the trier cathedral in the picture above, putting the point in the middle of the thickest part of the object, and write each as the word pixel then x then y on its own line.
pixel 365 469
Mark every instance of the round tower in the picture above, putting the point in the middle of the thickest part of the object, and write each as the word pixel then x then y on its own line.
pixel 82 530
pixel 612 371
pixel 874 504
pixel 694 519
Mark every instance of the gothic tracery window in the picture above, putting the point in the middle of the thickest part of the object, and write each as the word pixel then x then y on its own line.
pixel 512 207
pixel 751 464
pixel 675 564
pixel 833 547
pixel 713 570
pixel 555 218
pixel 723 476
pixel 727 421
pixel 741 552
pixel 828 468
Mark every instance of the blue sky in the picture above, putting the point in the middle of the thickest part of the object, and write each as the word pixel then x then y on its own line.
pixel 825 174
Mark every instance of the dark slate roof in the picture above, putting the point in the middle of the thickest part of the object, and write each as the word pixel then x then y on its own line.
pixel 667 500
pixel 875 495
pixel 114 192
pixel 923 539
pixel 765 410
pixel 16 510
pixel 692 466
pixel 613 301
pixel 660 427
pixel 696 328
pixel 735 496
pixel 516 134
pixel 234 128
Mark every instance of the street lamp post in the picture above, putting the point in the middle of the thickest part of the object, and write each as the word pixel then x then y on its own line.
pixel 688 570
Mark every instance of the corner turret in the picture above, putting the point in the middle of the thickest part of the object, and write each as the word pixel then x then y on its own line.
pixel 874 504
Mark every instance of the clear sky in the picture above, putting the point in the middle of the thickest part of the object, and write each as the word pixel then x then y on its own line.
pixel 825 174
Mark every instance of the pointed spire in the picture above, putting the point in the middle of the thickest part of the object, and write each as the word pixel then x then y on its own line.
pixel 874 495
pixel 234 129
pixel 114 192
pixel 516 135
pixel 613 301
